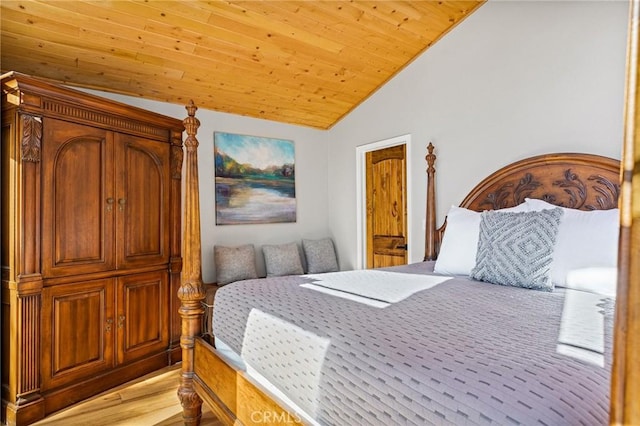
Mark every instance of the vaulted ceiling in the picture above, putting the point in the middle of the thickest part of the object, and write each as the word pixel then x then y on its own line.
pixel 301 62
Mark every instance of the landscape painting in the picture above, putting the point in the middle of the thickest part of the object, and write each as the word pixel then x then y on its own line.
pixel 254 179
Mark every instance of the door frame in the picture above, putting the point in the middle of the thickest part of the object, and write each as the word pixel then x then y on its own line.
pixel 361 194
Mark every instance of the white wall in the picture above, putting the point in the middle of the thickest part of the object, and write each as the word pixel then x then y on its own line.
pixel 311 180
pixel 514 79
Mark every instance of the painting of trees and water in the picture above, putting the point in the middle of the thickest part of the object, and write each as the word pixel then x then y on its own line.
pixel 254 179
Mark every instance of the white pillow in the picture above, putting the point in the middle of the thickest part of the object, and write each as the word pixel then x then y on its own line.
pixel 594 280
pixel 459 246
pixel 585 239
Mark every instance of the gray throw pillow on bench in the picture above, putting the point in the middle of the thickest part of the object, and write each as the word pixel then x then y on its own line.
pixel 234 263
pixel 320 255
pixel 282 259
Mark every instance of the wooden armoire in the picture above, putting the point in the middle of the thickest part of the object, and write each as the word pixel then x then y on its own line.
pixel 91 245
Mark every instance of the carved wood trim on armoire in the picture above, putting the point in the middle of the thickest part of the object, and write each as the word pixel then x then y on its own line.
pixel 91 245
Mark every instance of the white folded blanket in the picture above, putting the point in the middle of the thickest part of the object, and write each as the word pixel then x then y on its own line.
pixel 384 286
pixel 582 329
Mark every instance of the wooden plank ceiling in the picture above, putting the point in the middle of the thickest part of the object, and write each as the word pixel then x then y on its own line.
pixel 301 62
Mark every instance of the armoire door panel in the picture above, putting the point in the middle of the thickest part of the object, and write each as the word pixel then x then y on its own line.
pixel 142 318
pixel 142 201
pixel 77 190
pixel 78 331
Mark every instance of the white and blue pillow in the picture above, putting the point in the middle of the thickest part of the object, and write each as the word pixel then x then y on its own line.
pixel 516 249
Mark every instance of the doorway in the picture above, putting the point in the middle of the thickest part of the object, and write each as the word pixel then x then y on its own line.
pixel 384 205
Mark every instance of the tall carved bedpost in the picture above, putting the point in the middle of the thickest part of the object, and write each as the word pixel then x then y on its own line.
pixel 625 379
pixel 191 291
pixel 430 233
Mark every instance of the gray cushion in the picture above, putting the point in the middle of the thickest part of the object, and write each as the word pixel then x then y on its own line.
pixel 234 263
pixel 282 259
pixel 516 249
pixel 320 255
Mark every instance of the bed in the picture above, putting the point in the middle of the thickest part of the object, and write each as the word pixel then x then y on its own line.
pixel 435 346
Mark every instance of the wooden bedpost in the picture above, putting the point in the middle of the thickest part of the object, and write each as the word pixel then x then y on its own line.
pixel 191 291
pixel 625 376
pixel 430 233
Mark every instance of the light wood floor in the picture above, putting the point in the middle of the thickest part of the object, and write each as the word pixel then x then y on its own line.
pixel 149 400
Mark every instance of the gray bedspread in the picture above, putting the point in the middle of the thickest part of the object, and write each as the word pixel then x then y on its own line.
pixel 462 352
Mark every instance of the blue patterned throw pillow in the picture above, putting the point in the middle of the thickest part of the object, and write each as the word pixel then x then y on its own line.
pixel 516 249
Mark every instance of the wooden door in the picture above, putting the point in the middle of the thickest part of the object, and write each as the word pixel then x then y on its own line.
pixel 77 199
pixel 142 201
pixel 386 207
pixel 142 315
pixel 78 331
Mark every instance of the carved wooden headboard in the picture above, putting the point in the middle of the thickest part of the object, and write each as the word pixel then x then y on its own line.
pixel 578 181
